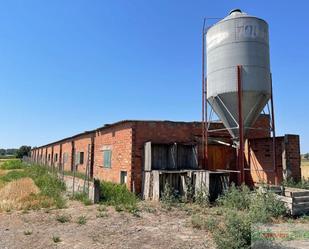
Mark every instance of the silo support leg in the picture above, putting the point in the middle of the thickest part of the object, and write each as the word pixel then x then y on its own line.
pixel 240 153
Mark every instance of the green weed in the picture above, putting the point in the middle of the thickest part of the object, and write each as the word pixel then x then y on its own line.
pixel 56 239
pixel 63 218
pixel 118 196
pixel 238 198
pixel 12 164
pixel 27 232
pixel 82 220
pixel 13 175
pixel 303 183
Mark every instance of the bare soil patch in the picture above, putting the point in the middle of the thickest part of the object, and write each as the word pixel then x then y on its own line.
pixel 151 228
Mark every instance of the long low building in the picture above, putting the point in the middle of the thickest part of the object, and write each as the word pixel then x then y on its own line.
pixel 116 152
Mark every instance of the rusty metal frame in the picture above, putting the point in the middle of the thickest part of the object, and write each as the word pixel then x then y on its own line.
pixel 204 102
pixel 273 131
pixel 240 155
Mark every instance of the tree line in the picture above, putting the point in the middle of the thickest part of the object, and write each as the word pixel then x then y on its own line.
pixel 18 153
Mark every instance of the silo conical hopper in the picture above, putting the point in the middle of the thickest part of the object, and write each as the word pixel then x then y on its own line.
pixel 238 39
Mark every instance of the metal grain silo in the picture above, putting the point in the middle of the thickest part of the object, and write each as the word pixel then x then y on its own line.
pixel 238 40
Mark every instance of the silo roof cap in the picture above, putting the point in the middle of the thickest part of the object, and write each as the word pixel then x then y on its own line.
pixel 235 10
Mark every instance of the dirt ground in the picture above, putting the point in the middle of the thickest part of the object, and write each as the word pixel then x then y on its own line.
pixel 151 228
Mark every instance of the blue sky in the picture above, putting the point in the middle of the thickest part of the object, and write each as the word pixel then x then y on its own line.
pixel 67 66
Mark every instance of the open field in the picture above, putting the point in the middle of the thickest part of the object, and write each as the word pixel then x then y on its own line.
pixel 304 162
pixel 305 168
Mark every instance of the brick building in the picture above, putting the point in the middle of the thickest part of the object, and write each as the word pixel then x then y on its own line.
pixel 115 152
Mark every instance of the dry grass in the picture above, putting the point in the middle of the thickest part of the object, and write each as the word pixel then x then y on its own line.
pixel 305 168
pixel 3 172
pixel 304 162
pixel 17 194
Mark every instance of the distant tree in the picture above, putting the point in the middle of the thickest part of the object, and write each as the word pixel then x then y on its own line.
pixel 23 151
pixel 2 152
pixel 11 151
pixel 306 156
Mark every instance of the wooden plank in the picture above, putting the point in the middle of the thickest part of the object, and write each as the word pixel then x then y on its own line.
pixel 301 199
pixel 301 205
pixel 156 185
pixel 299 211
pixel 147 159
pixel 195 157
pixel 146 185
pixel 159 156
pixel 285 199
pixel 300 194
pixel 183 185
pixel 296 189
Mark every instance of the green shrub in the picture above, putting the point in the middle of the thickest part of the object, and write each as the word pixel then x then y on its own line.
pixel 12 164
pixel 242 209
pixel 260 205
pixel 118 195
pixel 168 196
pixel 265 206
pixel 201 196
pixel 234 233
pixel 49 184
pixel 238 198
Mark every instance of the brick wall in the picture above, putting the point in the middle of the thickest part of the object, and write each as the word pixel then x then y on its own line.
pixel 259 158
pixel 49 155
pixel 81 145
pixel 291 157
pixel 67 155
pixel 118 139
pixel 56 155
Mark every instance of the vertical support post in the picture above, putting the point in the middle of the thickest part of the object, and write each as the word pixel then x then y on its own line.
pixel 52 159
pixel 60 159
pixel 203 97
pixel 74 173
pixel 273 131
pixel 241 127
pixel 206 127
